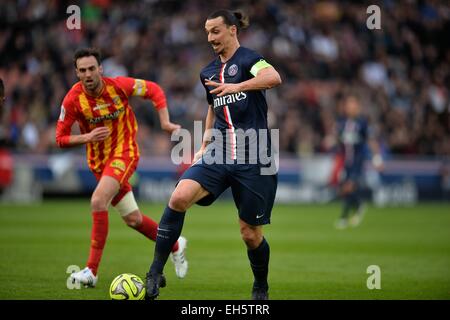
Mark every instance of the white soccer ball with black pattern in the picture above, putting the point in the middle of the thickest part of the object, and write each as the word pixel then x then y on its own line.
pixel 127 286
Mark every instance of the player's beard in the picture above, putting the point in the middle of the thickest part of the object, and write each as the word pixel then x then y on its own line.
pixel 92 86
pixel 218 49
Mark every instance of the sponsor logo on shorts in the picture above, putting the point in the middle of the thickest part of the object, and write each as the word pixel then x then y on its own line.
pixel 118 164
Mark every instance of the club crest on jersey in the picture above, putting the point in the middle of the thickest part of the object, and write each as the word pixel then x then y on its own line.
pixel 232 70
pixel 116 100
pixel 118 164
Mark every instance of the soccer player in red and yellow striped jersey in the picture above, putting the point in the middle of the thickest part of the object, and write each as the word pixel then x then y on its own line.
pixel 108 128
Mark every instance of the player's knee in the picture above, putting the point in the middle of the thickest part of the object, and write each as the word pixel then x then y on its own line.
pixel 98 203
pixel 133 220
pixel 179 202
pixel 251 237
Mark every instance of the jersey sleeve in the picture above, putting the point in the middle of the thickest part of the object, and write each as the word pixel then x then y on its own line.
pixel 65 121
pixel 255 62
pixel 143 88
pixel 208 94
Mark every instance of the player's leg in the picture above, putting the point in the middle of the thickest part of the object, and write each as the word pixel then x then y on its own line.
pixel 107 187
pixel 115 172
pixel 258 252
pixel 200 184
pixel 125 203
pixel 346 192
pixel 103 193
pixel 254 196
pixel 358 206
pixel 184 196
pixel 128 209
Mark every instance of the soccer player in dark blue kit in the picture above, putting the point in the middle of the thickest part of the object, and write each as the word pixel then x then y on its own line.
pixel 235 84
pixel 354 134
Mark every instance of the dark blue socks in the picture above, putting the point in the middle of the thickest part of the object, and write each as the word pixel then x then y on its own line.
pixel 259 261
pixel 169 231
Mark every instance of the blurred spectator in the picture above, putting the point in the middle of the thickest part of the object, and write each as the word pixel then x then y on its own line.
pixel 6 161
pixel 322 50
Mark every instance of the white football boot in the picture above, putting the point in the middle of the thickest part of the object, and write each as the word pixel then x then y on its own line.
pixel 358 216
pixel 178 258
pixel 84 277
pixel 341 224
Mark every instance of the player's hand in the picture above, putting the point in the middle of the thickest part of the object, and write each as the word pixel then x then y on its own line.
pixel 378 162
pixel 170 127
pixel 221 89
pixel 98 134
pixel 198 155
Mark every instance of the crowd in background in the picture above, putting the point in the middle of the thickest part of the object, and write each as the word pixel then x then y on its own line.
pixel 322 49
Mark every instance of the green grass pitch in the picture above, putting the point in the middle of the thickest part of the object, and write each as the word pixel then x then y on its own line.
pixel 309 258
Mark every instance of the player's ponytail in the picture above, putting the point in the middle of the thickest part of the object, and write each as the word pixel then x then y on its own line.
pixel 232 18
pixel 242 18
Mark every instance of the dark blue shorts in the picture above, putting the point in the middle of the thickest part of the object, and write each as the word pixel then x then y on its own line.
pixel 354 174
pixel 253 193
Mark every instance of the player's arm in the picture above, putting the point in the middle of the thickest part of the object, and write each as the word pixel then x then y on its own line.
pixel 377 159
pixel 265 77
pixel 152 91
pixel 68 140
pixel 209 122
pixel 64 138
pixel 375 149
pixel 164 120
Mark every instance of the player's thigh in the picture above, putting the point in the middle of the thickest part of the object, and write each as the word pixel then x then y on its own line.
pixel 347 187
pixel 214 178
pixel 186 193
pixel 106 189
pixel 254 195
pixel 119 170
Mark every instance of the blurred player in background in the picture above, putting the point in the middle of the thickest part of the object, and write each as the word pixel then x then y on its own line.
pixel 108 129
pixel 2 96
pixel 6 160
pixel 235 84
pixel 354 134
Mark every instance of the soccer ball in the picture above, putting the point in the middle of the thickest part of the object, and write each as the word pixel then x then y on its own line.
pixel 127 286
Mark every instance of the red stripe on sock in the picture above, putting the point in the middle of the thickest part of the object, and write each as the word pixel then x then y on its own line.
pixel 98 239
pixel 149 228
pixel 175 247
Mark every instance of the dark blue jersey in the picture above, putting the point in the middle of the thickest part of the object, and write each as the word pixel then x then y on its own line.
pixel 353 135
pixel 237 113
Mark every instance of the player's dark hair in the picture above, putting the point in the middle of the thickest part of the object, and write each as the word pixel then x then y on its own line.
pixel 232 18
pixel 351 94
pixel 86 52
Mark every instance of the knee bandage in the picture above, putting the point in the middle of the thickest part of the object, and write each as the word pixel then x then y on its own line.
pixel 127 205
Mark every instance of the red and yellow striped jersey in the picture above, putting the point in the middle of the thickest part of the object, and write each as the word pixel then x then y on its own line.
pixel 109 109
